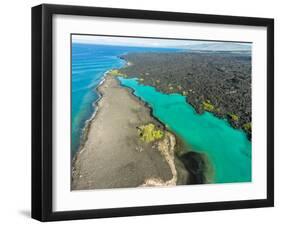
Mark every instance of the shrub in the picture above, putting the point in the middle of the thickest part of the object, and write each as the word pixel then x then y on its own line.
pixel 247 126
pixel 115 72
pixel 208 106
pixel 233 117
pixel 149 133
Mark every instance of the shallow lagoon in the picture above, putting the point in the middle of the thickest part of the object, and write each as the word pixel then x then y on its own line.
pixel 228 149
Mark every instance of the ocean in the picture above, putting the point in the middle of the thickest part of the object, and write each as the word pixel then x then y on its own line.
pixel 228 149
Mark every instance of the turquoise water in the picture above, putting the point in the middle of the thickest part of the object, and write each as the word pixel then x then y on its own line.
pixel 228 149
pixel 89 63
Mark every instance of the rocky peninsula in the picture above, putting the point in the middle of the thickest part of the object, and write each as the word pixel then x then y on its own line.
pixel 125 146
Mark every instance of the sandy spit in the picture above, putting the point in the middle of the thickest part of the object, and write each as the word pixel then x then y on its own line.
pixel 113 156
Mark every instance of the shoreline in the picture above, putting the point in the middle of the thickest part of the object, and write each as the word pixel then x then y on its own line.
pixel 84 146
pixel 203 96
pixel 84 134
pixel 131 91
pixel 183 152
pixel 192 158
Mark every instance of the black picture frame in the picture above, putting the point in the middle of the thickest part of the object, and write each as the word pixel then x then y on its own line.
pixel 42 107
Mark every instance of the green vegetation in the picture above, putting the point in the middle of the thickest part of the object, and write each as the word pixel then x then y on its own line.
pixel 208 106
pixel 233 117
pixel 149 133
pixel 247 126
pixel 115 72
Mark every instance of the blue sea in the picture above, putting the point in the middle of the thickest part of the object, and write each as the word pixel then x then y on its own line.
pixel 228 149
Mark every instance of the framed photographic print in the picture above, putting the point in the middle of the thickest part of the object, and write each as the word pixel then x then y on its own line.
pixel 146 112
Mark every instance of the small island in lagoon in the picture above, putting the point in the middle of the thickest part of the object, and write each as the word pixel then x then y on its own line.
pixel 175 113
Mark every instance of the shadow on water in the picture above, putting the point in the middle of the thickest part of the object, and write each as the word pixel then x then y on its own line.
pixel 197 166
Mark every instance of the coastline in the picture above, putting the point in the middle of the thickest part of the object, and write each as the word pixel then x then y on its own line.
pixel 216 89
pixel 204 167
pixel 162 167
pixel 85 129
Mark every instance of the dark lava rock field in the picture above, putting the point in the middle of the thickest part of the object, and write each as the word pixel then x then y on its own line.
pixel 218 82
